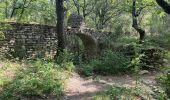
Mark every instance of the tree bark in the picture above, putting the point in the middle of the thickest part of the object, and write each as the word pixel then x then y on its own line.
pixel 165 6
pixel 60 26
pixel 135 23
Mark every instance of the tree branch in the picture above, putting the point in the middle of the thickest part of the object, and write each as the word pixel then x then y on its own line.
pixel 165 6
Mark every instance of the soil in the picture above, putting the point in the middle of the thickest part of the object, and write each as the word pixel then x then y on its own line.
pixel 79 88
pixel 84 88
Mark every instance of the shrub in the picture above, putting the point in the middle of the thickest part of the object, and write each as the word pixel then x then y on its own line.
pixel 39 79
pixel 153 58
pixel 7 71
pixel 2 36
pixel 161 40
pixel 65 56
pixel 2 49
pixel 65 61
pixel 150 57
pixel 120 93
pixel 109 63
pixel 128 93
pixel 87 70
pixel 165 81
pixel 3 52
pixel 68 66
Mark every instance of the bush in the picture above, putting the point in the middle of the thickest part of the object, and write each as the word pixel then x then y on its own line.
pixel 7 71
pixel 109 63
pixel 68 66
pixel 161 40
pixel 39 79
pixel 150 58
pixel 65 56
pixel 65 61
pixel 87 70
pixel 153 58
pixel 2 49
pixel 120 93
pixel 128 93
pixel 165 81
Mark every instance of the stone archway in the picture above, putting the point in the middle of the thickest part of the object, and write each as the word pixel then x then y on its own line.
pixel 90 45
pixel 77 27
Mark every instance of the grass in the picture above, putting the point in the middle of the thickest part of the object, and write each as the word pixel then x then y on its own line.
pixel 38 78
pixel 8 70
pixel 119 93
pixel 127 93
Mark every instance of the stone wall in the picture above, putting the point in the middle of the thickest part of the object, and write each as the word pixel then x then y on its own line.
pixel 29 39
pixel 34 40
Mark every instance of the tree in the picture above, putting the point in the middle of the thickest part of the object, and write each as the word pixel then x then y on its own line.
pixel 135 25
pixel 104 11
pixel 60 25
pixel 137 7
pixel 84 7
pixel 164 5
pixel 21 5
pixel 77 5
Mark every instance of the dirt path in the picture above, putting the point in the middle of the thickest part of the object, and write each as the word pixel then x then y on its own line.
pixel 79 88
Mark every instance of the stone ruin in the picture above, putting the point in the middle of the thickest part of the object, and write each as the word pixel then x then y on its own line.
pixel 75 21
pixel 35 40
pixel 25 40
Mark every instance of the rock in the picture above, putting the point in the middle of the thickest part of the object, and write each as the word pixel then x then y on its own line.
pixel 144 72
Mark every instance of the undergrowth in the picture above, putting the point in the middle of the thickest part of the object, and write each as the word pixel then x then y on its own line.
pixel 37 78
pixel 108 64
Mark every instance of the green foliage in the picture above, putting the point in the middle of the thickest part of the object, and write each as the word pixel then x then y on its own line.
pixel 64 56
pixel 165 81
pixel 2 37
pixel 127 93
pixel 65 60
pixel 3 26
pixel 4 48
pixel 69 66
pixel 2 53
pixel 153 58
pixel 18 52
pixel 160 41
pixel 86 70
pixel 145 56
pixel 116 92
pixel 109 63
pixel 7 70
pixel 40 78
pixel 28 11
pixel 119 93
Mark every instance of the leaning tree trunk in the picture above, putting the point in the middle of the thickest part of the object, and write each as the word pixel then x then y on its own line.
pixel 164 5
pixel 135 23
pixel 60 26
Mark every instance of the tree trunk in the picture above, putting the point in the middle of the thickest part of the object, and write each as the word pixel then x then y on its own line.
pixel 135 23
pixel 60 26
pixel 164 5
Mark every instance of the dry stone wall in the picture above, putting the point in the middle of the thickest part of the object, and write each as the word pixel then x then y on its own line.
pixel 35 40
pixel 29 39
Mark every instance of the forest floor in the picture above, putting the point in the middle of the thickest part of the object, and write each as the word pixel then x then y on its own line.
pixel 79 88
pixel 85 88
